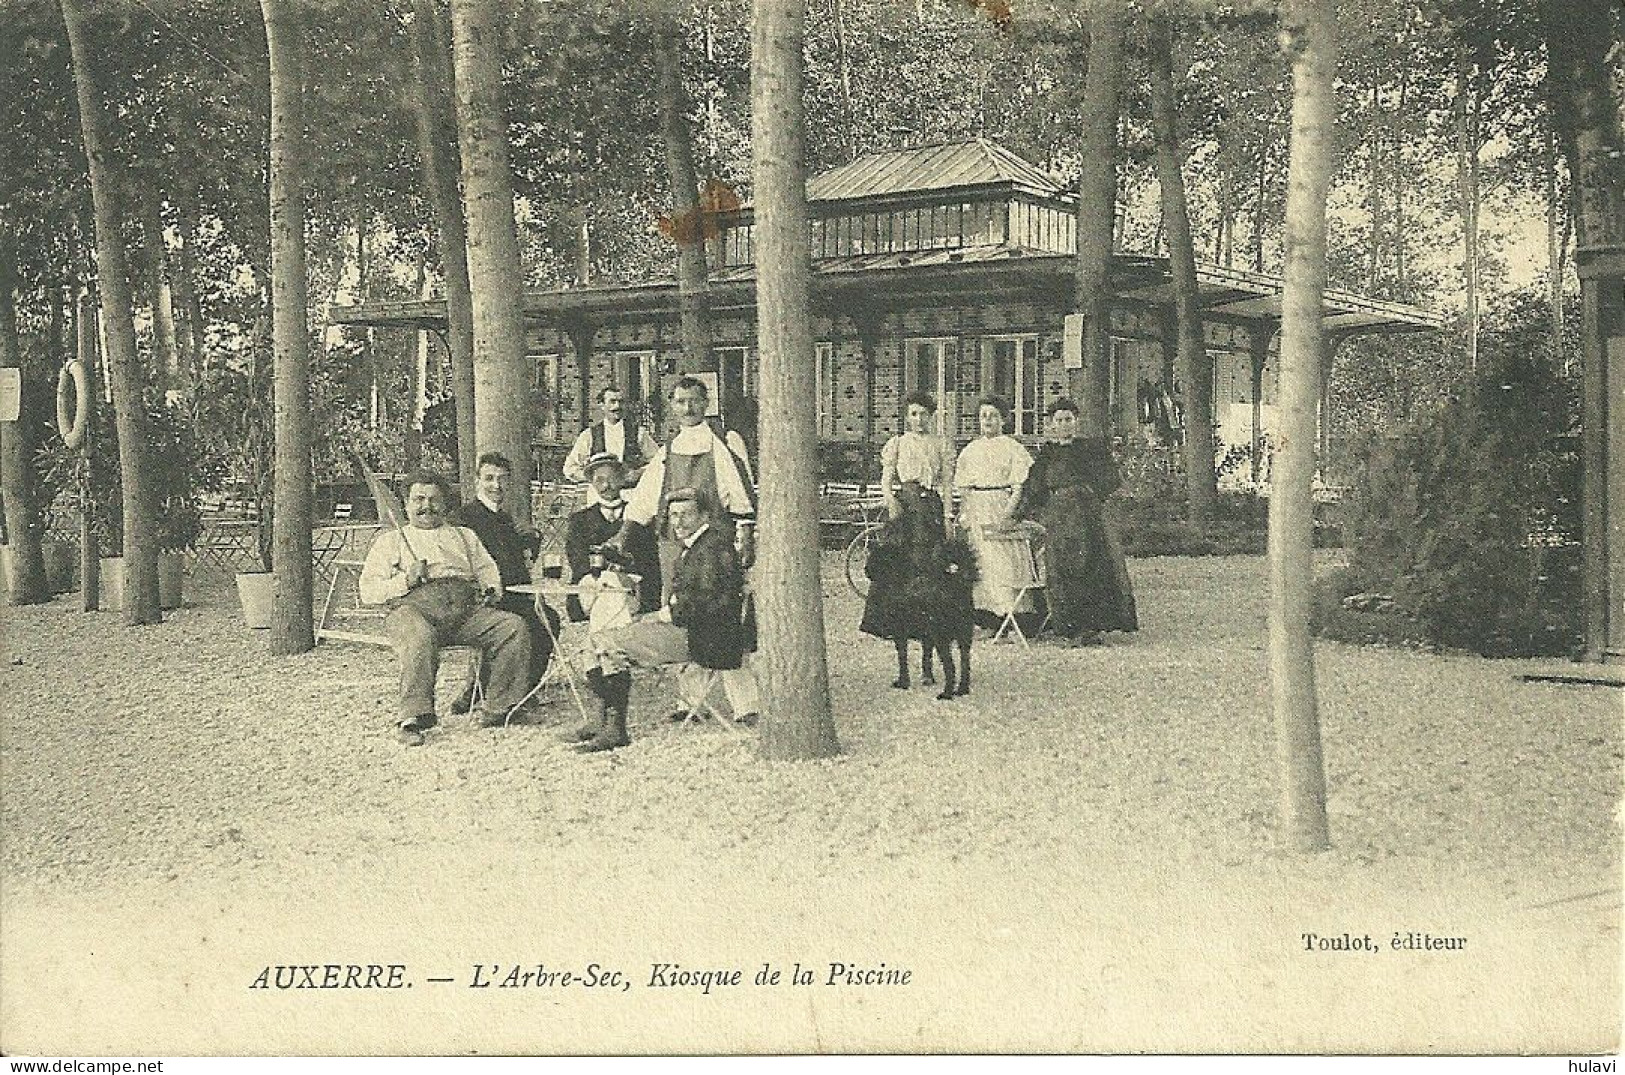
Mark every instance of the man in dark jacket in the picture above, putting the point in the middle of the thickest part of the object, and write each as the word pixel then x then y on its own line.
pixel 701 626
pixel 513 548
pixel 596 523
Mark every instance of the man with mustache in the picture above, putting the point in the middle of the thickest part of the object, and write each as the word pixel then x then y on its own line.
pixel 439 584
pixel 633 446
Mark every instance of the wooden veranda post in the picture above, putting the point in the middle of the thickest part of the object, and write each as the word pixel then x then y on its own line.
pixel 1309 38
pixel 791 659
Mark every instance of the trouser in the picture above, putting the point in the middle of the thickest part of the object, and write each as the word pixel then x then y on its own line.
pixel 651 643
pixel 500 637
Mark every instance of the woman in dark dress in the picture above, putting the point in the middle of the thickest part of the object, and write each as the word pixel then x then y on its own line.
pixel 1087 583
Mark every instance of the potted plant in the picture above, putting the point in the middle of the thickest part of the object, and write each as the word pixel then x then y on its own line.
pixel 182 472
pixel 231 412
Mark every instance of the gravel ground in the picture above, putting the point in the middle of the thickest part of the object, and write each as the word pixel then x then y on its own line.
pixel 1079 856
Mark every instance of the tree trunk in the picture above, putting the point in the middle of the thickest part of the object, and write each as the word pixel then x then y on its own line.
pixel 437 144
pixel 1400 177
pixel 1467 197
pixel 165 355
pixel 1259 205
pixel 1097 211
pixel 688 220
pixel 292 614
pixel 24 526
pixel 189 332
pixel 1587 110
pixel 1374 185
pixel 1195 371
pixel 113 280
pixel 1309 35
pixel 791 660
pixel 843 67
pixel 1554 246
pixel 87 348
pixel 501 384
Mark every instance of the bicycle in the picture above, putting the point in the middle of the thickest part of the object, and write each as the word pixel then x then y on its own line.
pixel 871 516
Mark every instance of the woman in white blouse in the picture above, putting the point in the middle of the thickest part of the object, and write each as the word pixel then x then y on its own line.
pixel 917 455
pixel 988 478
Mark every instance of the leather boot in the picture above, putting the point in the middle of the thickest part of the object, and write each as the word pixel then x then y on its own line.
pixel 590 730
pixel 617 693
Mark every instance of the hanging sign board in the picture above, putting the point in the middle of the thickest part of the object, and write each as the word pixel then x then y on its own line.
pixel 1072 342
pixel 11 393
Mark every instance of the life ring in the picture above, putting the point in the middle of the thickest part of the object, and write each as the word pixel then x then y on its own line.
pixel 73 433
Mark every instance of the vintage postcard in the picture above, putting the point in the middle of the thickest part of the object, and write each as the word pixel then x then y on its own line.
pixel 1044 812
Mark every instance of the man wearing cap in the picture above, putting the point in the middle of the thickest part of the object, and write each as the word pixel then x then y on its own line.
pixel 700 625
pixel 513 547
pixel 632 446
pixel 698 458
pixel 596 523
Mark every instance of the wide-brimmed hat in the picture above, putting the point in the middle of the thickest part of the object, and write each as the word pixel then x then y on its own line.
pixel 603 459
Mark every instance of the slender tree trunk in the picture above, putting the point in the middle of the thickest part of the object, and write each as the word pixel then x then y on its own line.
pixel 189 332
pixel 1587 109
pixel 24 526
pixel 165 355
pixel 791 659
pixel 87 348
pixel 1467 197
pixel 843 66
pixel 437 144
pixel 583 216
pixel 113 279
pixel 1310 38
pixel 291 617
pixel 501 384
pixel 1195 371
pixel 1554 245
pixel 1259 205
pixel 688 220
pixel 1400 177
pixel 1097 211
pixel 1374 183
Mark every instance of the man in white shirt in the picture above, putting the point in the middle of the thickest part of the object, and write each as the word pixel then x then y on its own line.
pixel 439 582
pixel 632 446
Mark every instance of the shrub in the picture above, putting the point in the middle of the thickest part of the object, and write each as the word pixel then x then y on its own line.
pixel 1467 516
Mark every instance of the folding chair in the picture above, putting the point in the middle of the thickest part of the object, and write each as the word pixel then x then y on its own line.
pixel 1031 579
pixel 701 707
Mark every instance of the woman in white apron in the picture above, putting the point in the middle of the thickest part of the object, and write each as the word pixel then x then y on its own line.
pixel 988 477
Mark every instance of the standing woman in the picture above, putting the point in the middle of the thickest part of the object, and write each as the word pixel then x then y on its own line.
pixel 1088 586
pixel 989 476
pixel 918 455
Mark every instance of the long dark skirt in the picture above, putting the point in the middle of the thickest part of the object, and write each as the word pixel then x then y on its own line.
pixel 1088 586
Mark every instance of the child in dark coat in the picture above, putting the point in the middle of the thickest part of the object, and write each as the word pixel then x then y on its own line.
pixel 920 588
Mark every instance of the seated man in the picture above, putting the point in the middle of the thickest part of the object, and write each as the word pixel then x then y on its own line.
pixel 701 625
pixel 596 523
pixel 513 547
pixel 438 582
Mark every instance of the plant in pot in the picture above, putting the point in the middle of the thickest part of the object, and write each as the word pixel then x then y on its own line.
pixel 180 474
pixel 183 472
pixel 231 413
